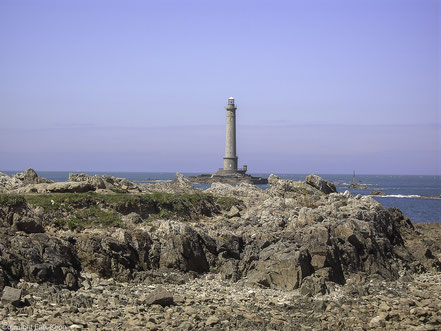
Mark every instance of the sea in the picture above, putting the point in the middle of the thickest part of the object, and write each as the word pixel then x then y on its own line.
pixel 414 195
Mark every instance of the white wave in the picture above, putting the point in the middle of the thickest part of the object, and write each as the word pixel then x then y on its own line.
pixel 398 196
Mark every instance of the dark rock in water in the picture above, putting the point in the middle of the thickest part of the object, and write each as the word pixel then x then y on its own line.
pixel 359 186
pixel 12 295
pixel 375 192
pixel 160 296
pixel 320 184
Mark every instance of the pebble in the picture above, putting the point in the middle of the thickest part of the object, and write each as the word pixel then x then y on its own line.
pixel 209 301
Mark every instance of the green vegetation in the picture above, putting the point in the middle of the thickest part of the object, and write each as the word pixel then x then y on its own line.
pixel 81 210
pixel 90 217
pixel 11 200
pixel 225 203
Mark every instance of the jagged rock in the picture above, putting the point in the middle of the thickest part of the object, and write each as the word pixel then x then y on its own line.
pixel 179 185
pixel 243 190
pixel 281 266
pixel 9 183
pixel 313 285
pixel 159 296
pixel 95 181
pixel 38 258
pixel 181 248
pixel 320 184
pixel 289 188
pixel 30 177
pixel 109 183
pixel 183 182
pixel 119 184
pixel 230 245
pixel 106 256
pixel 12 295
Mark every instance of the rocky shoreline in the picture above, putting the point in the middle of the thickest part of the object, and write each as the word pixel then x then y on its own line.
pixel 105 253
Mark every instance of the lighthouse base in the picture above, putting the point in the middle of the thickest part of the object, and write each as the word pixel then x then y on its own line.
pixel 228 177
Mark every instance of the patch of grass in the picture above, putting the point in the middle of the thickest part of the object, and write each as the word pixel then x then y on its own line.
pixel 79 210
pixel 11 200
pixel 225 203
pixel 117 190
pixel 62 201
pixel 183 206
pixel 90 217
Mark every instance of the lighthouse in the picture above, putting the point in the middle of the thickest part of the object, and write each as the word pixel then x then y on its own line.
pixel 229 173
pixel 230 158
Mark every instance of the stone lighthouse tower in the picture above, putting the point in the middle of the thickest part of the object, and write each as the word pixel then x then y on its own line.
pixel 230 158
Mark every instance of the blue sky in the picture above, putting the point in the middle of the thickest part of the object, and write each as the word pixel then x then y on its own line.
pixel 321 86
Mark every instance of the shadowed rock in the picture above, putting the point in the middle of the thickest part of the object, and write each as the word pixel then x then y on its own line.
pixel 159 296
pixel 320 184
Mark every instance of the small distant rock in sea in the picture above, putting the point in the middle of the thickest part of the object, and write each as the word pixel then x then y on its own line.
pixel 358 186
pixel 376 192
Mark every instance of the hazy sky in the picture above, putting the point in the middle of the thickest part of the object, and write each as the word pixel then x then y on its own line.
pixel 321 86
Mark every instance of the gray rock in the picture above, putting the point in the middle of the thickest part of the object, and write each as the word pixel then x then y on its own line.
pixel 234 212
pixel 181 248
pixel 12 295
pixel 313 285
pixel 212 320
pixel 70 187
pixel 38 258
pixel 159 296
pixel 320 184
pixel 27 225
pixel 281 266
pixel 31 177
pixel 95 181
pixel 132 218
pixel 178 186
